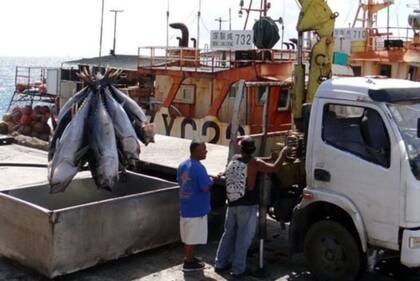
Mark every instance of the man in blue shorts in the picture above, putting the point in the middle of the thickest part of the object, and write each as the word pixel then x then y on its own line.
pixel 194 196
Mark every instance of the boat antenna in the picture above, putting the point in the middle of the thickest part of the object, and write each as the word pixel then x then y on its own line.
pixel 100 34
pixel 167 26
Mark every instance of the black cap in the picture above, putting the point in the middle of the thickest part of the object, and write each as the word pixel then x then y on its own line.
pixel 248 145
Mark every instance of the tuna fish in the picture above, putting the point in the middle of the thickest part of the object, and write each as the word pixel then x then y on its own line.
pixel 64 118
pixel 130 106
pixel 103 145
pixel 68 151
pixel 74 100
pixel 123 129
pixel 145 132
pixel 99 125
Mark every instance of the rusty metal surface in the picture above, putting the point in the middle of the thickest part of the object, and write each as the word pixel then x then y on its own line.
pixel 63 233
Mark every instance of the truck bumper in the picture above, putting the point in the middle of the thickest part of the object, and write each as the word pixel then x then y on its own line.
pixel 410 248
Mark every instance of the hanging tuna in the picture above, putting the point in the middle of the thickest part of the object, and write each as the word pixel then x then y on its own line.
pixel 101 126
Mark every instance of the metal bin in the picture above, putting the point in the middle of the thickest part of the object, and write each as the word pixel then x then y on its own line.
pixel 55 234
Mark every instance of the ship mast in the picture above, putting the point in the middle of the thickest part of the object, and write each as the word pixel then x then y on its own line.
pixel 367 14
pixel 262 10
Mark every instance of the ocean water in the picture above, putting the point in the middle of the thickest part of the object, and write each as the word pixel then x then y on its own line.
pixel 8 71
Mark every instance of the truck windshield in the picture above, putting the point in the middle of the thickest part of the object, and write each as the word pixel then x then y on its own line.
pixel 406 115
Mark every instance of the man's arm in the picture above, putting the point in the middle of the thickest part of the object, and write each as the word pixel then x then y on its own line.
pixel 264 167
pixel 270 158
pixel 204 180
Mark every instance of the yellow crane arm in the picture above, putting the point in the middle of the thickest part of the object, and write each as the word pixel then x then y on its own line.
pixel 315 16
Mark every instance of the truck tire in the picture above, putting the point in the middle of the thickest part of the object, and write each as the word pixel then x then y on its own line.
pixel 332 253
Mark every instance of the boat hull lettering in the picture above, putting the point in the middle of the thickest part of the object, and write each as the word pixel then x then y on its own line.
pixel 208 129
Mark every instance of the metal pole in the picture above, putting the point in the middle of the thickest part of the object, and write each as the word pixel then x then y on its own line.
pixel 230 19
pixel 387 26
pixel 115 30
pixel 115 27
pixel 265 8
pixel 299 54
pixel 234 127
pixel 265 122
pixel 264 191
pixel 100 36
pixel 247 14
pixel 220 20
pixel 282 32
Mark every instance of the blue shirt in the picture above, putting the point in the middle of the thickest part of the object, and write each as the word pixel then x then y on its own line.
pixel 193 182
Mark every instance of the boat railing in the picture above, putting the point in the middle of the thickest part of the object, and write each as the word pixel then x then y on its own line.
pixel 385 38
pixel 30 86
pixel 29 77
pixel 209 59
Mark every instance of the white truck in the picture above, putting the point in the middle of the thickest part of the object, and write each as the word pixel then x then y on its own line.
pixel 362 176
pixel 355 185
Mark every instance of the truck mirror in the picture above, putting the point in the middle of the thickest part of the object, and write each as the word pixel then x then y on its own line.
pixel 418 128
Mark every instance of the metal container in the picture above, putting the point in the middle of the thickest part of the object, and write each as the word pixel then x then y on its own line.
pixel 55 234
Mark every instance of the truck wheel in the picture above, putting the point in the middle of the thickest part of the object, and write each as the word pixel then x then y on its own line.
pixel 332 253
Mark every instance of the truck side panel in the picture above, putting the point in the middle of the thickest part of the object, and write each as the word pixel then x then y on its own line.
pixel 341 162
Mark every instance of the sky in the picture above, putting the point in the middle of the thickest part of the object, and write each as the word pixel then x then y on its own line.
pixel 71 28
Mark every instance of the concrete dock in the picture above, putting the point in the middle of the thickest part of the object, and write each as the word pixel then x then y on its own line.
pixel 168 152
pixel 15 176
pixel 165 263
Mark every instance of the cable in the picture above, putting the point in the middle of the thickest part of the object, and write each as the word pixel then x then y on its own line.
pixel 205 26
pixel 31 165
pixel 350 11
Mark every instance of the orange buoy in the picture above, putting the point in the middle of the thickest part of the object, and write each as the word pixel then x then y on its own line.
pixel 20 87
pixel 42 89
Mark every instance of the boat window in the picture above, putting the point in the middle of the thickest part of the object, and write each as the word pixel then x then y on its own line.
pixel 413 73
pixel 226 109
pixel 283 100
pixel 357 70
pixel 262 94
pixel 185 94
pixel 357 130
pixel 385 70
pixel 232 90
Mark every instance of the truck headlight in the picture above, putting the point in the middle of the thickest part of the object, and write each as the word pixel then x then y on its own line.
pixel 414 242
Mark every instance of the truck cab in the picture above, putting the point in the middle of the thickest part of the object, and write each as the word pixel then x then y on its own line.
pixel 362 172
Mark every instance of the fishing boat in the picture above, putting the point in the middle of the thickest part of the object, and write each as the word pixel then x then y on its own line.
pixel 190 92
pixel 374 50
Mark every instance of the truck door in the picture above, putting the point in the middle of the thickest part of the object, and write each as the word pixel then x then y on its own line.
pixel 355 155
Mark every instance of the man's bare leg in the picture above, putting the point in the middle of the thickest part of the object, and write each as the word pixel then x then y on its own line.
pixel 189 252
